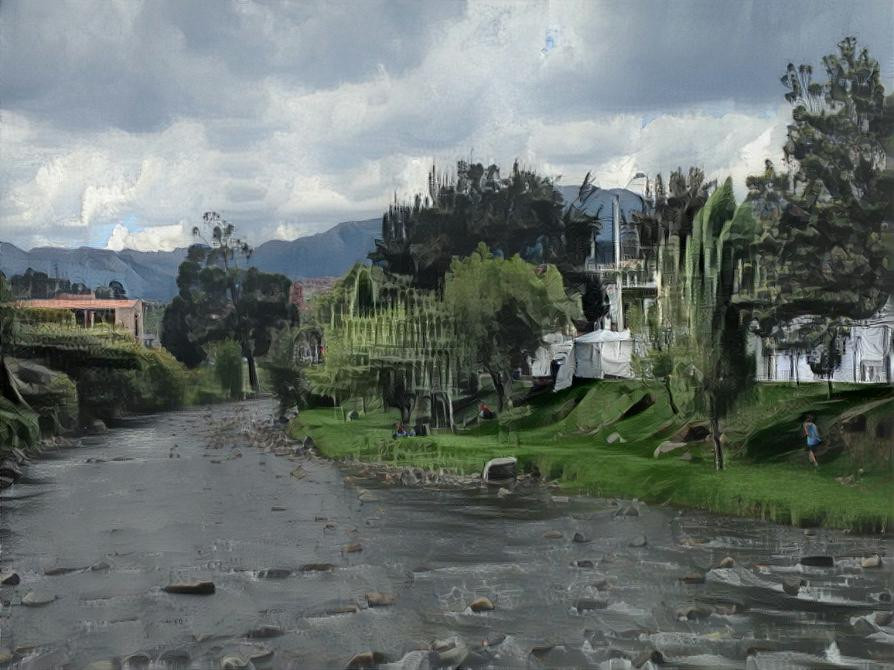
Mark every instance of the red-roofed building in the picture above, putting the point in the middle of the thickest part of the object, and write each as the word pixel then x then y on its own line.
pixel 90 311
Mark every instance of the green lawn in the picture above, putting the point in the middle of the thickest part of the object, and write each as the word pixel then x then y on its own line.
pixel 566 436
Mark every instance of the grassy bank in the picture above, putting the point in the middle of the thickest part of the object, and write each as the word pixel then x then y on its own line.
pixel 573 436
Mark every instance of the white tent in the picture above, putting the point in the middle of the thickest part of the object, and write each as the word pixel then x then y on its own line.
pixel 596 355
pixel 554 347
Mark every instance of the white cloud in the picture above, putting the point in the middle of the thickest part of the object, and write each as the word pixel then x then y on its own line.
pixel 153 238
pixel 280 151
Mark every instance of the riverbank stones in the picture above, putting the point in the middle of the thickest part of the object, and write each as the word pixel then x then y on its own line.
pixel 870 562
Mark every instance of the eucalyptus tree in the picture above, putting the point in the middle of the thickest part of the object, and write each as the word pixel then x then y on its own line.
pixel 221 297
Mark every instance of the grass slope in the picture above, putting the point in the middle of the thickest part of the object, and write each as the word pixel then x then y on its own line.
pixel 566 437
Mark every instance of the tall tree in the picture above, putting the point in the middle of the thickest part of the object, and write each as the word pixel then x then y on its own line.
pixel 708 325
pixel 222 299
pixel 505 306
pixel 822 236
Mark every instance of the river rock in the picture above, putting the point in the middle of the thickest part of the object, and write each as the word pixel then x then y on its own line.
pixel 6 482
pixel 481 605
pixel 100 566
pixel 874 561
pixel 792 585
pixel 137 661
pixel 353 548
pixel 5 655
pixel 638 541
pixel 579 538
pixel 55 572
pixel 274 573
pixel 233 663
pixel 10 469
pixel 552 535
pixel 18 455
pixel 818 561
pixel 196 588
pixel 584 564
pixel 502 493
pixel 691 612
pixel 693 578
pixel 627 510
pixel 377 599
pixel 727 562
pixel 265 632
pixel 883 618
pixel 98 426
pixel 589 604
pixel 308 442
pixel 9 578
pixel 365 659
pixel 451 652
pixel 317 567
pixel 37 599
pixel 367 497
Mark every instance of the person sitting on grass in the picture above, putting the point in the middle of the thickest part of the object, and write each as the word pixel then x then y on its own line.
pixel 811 434
pixel 485 412
pixel 401 431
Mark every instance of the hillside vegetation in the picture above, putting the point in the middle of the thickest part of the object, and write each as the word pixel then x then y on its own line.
pixel 599 438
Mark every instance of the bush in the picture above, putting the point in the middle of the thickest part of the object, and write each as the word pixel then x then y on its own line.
pixel 228 368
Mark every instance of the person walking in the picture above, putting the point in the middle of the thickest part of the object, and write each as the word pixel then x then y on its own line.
pixel 812 436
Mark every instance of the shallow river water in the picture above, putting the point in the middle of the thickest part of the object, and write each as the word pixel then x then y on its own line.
pixel 99 530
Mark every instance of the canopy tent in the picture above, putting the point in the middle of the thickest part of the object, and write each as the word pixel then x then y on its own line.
pixel 554 347
pixel 597 355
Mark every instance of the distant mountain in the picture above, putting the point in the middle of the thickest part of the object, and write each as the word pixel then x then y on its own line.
pixel 152 274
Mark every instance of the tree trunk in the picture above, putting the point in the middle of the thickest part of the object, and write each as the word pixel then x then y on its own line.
pixel 406 409
pixel 829 387
pixel 718 448
pixel 499 387
pixel 670 396
pixel 253 373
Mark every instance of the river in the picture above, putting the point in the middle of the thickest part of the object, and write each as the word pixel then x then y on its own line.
pixel 97 531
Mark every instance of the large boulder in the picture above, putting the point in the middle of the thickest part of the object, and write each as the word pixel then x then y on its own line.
pixel 696 431
pixel 668 447
pixel 50 393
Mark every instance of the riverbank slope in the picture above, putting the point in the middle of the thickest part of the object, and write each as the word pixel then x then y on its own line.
pixel 600 439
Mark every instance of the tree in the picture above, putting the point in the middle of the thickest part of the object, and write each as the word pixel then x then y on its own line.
pixel 220 300
pixel 822 221
pixel 708 326
pixel 503 308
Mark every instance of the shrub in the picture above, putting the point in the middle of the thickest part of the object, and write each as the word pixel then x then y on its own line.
pixel 228 367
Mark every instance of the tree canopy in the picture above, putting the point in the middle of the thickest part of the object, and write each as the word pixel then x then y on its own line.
pixel 505 307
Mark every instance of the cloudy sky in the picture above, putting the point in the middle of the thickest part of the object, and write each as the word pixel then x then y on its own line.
pixel 122 121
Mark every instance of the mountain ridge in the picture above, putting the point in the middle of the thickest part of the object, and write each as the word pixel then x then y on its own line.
pixel 152 274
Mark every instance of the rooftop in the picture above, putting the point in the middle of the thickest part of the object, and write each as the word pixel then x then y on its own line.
pixel 79 302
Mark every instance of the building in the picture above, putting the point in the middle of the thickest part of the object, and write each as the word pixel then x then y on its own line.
pixel 90 311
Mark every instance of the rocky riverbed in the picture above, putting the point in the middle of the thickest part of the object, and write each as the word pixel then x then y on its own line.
pixel 207 539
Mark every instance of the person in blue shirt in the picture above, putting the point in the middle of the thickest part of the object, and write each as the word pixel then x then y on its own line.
pixel 811 434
